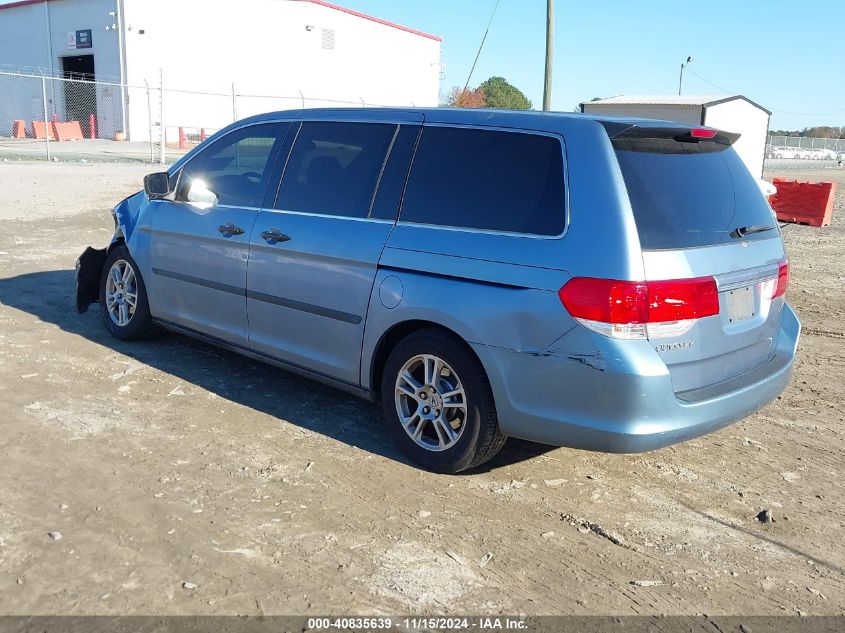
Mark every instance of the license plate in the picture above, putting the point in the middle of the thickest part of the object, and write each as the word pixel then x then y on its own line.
pixel 740 304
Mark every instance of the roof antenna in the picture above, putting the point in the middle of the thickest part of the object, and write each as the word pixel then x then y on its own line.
pixel 483 39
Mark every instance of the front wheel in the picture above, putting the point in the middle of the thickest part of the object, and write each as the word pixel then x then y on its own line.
pixel 438 403
pixel 123 297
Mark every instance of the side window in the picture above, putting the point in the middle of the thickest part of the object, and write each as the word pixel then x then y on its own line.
pixel 392 181
pixel 333 168
pixel 487 179
pixel 236 167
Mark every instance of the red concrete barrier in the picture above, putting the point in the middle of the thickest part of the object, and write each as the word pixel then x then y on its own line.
pixel 19 128
pixel 41 129
pixel 68 131
pixel 804 202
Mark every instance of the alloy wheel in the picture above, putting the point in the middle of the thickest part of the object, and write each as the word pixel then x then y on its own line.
pixel 121 293
pixel 431 402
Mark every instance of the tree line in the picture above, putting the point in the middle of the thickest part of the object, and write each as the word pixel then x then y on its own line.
pixel 496 92
pixel 819 131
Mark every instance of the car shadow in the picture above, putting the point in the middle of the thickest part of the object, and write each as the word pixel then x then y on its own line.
pixel 48 295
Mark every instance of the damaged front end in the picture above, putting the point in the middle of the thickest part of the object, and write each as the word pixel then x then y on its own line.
pixel 89 265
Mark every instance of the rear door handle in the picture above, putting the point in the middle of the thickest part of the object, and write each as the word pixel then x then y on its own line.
pixel 230 229
pixel 274 236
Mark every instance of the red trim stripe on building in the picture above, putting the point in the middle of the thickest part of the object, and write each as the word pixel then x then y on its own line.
pixel 358 14
pixel 321 3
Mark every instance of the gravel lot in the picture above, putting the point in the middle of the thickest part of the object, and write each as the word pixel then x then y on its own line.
pixel 169 477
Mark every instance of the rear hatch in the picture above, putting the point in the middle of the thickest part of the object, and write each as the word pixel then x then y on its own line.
pixel 700 214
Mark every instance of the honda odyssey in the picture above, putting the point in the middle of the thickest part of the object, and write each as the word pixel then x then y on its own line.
pixel 600 283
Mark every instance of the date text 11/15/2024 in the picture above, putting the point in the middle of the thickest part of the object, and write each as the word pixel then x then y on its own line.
pixel 417 623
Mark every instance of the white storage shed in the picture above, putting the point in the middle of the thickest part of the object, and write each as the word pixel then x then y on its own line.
pixel 732 114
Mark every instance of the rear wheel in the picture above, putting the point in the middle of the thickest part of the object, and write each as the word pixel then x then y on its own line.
pixel 438 403
pixel 123 297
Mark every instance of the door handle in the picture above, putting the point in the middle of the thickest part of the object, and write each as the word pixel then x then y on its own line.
pixel 230 229
pixel 274 236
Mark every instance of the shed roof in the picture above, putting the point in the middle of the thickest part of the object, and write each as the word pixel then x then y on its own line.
pixel 704 101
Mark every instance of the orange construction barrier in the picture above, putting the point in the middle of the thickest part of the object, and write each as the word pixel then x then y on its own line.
pixel 803 202
pixel 19 128
pixel 40 129
pixel 68 131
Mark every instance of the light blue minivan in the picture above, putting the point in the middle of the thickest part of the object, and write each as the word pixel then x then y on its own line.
pixel 601 283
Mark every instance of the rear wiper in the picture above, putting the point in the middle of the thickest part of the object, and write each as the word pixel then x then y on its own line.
pixel 742 231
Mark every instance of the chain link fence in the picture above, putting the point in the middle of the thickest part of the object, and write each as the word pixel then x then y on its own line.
pixel 74 117
pixel 804 152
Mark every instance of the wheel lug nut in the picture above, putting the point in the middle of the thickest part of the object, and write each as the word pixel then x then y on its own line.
pixel 423 395
pixel 426 409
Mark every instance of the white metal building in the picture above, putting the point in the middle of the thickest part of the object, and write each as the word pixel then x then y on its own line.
pixel 732 114
pixel 313 52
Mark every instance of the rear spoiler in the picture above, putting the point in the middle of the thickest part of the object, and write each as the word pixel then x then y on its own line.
pixel 621 132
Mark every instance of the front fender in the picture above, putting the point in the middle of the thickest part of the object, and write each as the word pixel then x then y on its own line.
pixel 126 214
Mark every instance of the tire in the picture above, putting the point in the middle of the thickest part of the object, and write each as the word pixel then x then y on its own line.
pixel 475 436
pixel 138 323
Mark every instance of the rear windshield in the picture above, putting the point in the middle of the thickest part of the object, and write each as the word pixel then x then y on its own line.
pixel 691 194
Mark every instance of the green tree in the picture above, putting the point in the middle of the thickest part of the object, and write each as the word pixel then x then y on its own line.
pixel 498 93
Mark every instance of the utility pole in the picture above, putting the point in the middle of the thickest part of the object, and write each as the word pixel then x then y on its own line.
pixel 681 78
pixel 550 46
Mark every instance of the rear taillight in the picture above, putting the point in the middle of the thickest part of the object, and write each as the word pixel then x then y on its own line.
pixel 782 281
pixel 640 309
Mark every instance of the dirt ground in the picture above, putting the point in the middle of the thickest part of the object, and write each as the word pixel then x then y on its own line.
pixel 187 480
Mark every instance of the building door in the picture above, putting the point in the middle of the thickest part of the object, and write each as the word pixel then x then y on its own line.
pixel 80 94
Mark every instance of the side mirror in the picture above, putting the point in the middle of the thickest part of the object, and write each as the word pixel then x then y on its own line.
pixel 200 195
pixel 157 185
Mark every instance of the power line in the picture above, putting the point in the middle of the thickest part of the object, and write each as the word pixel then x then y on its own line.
pixel 730 92
pixel 480 46
pixel 707 81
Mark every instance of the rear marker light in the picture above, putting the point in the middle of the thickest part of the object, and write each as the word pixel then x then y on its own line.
pixel 702 132
pixel 640 309
pixel 782 280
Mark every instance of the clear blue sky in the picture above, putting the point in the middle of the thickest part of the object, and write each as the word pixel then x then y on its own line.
pixel 788 55
pixel 785 54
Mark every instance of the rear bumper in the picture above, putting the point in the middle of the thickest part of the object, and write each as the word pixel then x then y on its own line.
pixel 596 393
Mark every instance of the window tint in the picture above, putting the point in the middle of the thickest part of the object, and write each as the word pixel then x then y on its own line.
pixel 236 167
pixel 485 179
pixel 691 196
pixel 392 181
pixel 333 168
